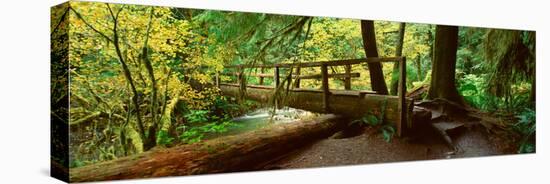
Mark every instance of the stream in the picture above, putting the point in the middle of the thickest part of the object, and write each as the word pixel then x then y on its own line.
pixel 264 117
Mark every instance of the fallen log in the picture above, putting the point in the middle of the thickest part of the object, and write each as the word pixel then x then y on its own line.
pixel 241 152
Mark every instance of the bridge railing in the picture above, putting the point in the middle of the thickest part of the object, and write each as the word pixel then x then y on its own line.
pixel 295 74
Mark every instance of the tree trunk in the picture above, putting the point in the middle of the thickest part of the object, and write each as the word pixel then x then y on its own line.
pixel 443 66
pixel 128 76
pixel 152 132
pixel 431 42
pixel 398 52
pixel 375 69
pixel 243 152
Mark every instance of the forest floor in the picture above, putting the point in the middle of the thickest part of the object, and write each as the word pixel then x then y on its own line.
pixel 369 147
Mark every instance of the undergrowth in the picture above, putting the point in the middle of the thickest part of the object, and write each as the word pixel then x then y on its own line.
pixel 376 119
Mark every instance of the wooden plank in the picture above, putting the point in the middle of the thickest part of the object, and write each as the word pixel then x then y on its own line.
pixel 261 75
pixel 260 87
pixel 320 63
pixel 347 79
pixel 302 77
pixel 336 75
pixel 357 93
pixel 325 87
pixel 363 93
pixel 248 86
pixel 277 83
pixel 360 94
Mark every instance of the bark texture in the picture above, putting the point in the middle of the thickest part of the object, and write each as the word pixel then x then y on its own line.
pixel 375 69
pixel 444 63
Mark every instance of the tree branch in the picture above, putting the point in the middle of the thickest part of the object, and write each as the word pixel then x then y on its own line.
pixel 60 21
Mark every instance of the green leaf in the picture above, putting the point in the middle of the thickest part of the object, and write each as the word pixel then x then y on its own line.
pixel 163 138
pixel 387 132
pixel 527 148
pixel 370 120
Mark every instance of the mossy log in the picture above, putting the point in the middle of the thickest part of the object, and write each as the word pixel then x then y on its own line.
pixel 242 152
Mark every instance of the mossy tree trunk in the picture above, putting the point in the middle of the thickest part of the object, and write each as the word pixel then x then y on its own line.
pixel 444 64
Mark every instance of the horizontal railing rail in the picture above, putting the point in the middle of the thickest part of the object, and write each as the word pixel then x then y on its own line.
pixel 320 63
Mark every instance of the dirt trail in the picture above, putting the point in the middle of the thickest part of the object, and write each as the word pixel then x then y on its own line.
pixel 370 147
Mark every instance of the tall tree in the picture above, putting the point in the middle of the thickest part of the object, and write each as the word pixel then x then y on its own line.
pixel 375 69
pixel 444 64
pixel 398 52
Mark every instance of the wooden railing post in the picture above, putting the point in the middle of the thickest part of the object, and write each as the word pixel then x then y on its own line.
pixel 242 83
pixel 326 92
pixel 289 76
pixel 347 80
pixel 402 90
pixel 262 70
pixel 297 80
pixel 276 81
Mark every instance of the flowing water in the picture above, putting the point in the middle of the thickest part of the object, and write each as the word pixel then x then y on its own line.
pixel 264 117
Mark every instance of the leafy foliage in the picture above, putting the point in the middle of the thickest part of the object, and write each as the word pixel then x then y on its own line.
pixel 471 87
pixel 166 58
pixel 370 119
pixel 163 138
pixel 513 57
pixel 526 126
pixel 387 132
pixel 197 116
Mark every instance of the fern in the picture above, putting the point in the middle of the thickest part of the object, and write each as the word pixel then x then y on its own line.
pixel 371 119
pixel 163 138
pixel 526 126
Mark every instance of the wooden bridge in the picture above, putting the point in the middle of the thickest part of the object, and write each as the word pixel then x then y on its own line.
pixel 347 102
